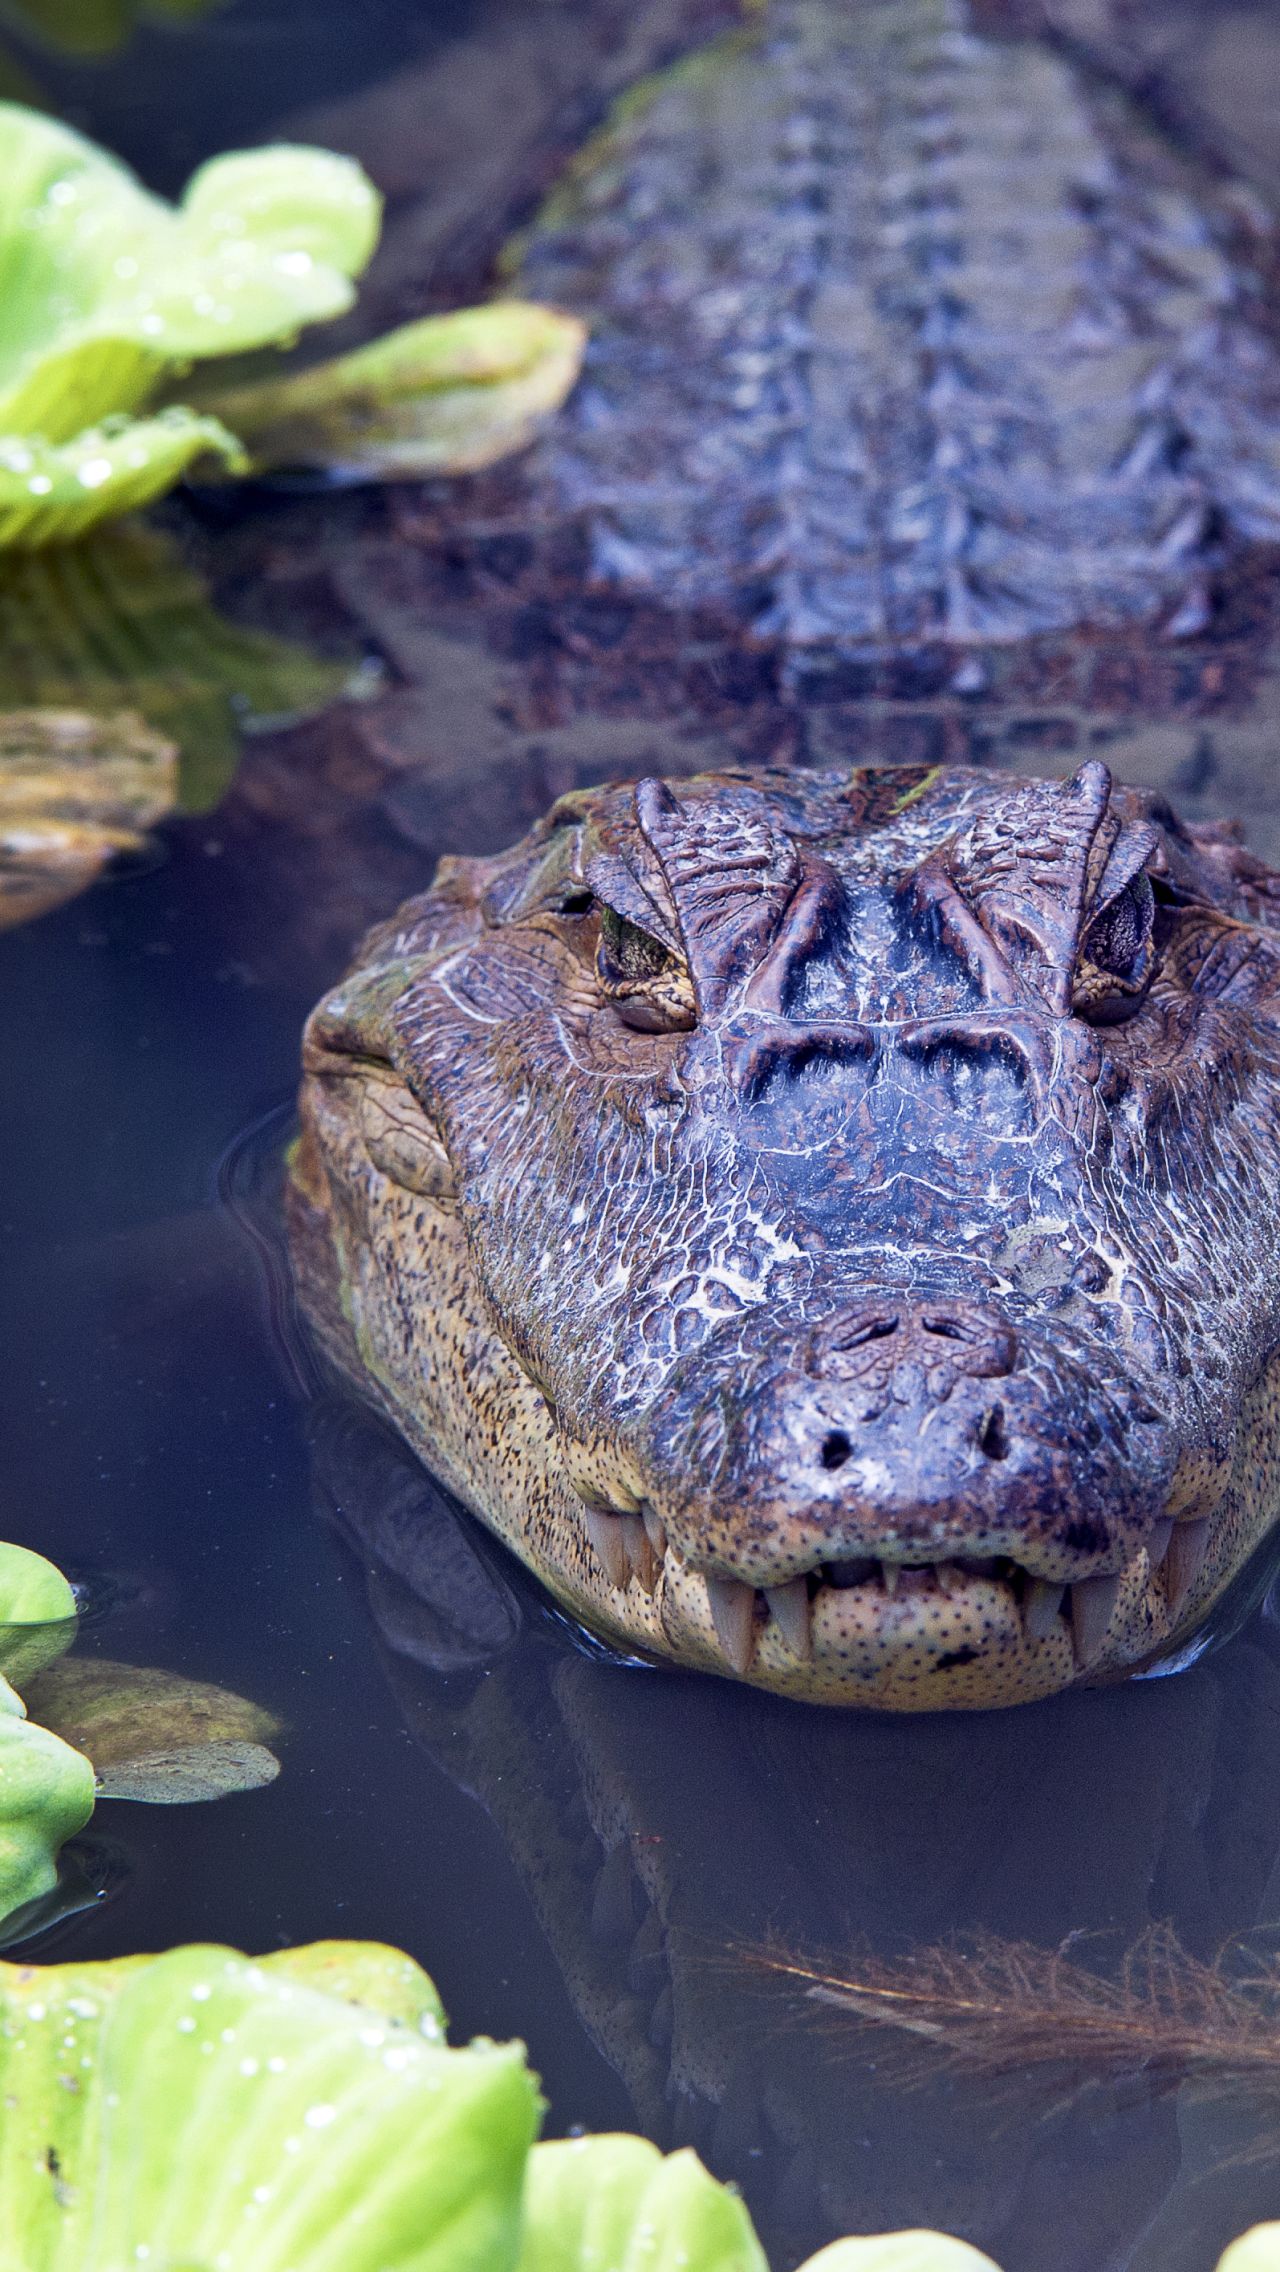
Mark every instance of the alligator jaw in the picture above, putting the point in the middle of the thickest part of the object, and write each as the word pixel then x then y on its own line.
pixel 944 1629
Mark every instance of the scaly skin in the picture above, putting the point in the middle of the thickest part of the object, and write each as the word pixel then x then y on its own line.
pixel 826 1223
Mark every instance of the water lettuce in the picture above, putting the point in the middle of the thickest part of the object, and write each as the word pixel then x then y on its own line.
pixel 900 2252
pixel 108 290
pixel 199 2109
pixel 445 395
pixel 615 2204
pixel 46 1795
pixel 37 1612
pixel 1258 2250
pixel 110 295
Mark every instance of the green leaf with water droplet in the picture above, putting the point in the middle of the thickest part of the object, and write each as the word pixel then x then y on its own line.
pixel 46 1795
pixel 199 2108
pixel 615 2204
pixel 52 493
pixel 444 395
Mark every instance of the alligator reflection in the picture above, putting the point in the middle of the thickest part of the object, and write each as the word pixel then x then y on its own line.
pixel 665 1825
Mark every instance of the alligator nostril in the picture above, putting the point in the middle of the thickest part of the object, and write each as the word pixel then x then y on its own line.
pixel 945 1328
pixel 836 1449
pixel 992 1440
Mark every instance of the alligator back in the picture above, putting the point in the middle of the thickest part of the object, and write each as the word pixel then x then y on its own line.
pixel 896 338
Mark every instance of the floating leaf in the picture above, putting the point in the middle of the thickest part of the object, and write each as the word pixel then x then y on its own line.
pixel 227 2112
pixel 444 395
pixel 900 2252
pixel 46 1795
pixel 37 1612
pixel 52 493
pixel 120 621
pixel 153 1735
pixel 615 2204
pixel 74 791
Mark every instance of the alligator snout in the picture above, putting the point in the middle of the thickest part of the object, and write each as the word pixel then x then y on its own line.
pixel 906 1446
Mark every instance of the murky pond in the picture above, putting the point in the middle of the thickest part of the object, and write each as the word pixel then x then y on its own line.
pixel 630 1868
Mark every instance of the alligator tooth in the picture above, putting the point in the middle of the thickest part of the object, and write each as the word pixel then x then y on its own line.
pixel 1041 1608
pixel 655 1530
pixel 1158 1538
pixel 605 1534
pixel 948 1577
pixel 1184 1561
pixel 1092 1602
pixel 790 1605
pixel 733 1613
pixel 640 1554
pixel 889 1573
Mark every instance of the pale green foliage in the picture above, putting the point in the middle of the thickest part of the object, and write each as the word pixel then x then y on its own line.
pixel 226 2112
pixel 46 1794
pixel 108 290
pixel 1256 2251
pixel 615 2204
pixel 445 395
pixel 900 2252
pixel 37 1612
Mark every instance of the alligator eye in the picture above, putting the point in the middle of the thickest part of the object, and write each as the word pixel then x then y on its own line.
pixel 1117 955
pixel 648 986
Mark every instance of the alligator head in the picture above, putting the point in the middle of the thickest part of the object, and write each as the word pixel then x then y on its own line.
pixel 827 1223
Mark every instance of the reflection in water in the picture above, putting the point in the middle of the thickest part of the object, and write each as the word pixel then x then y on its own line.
pixel 664 1825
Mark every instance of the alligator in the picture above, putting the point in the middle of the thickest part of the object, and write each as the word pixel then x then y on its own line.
pixel 801 1203
pixel 827 1222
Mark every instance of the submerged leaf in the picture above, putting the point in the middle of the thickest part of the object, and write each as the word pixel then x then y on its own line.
pixel 37 1606
pixel 46 1795
pixel 121 621
pixel 445 395
pixel 74 791
pixel 227 2112
pixel 615 2204
pixel 52 493
pixel 153 1735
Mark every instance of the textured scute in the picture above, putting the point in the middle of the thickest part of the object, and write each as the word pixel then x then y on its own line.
pixel 894 340
pixel 909 1200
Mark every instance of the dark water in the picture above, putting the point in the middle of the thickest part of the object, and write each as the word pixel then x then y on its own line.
pixel 578 1851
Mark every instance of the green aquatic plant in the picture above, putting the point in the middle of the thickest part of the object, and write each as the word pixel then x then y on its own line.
pixel 596 2204
pixel 199 2110
pixel 1256 2251
pixel 91 1729
pixel 109 295
pixel 107 290
pixel 38 1614
pixel 46 1795
pixel 448 394
pixel 900 2252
